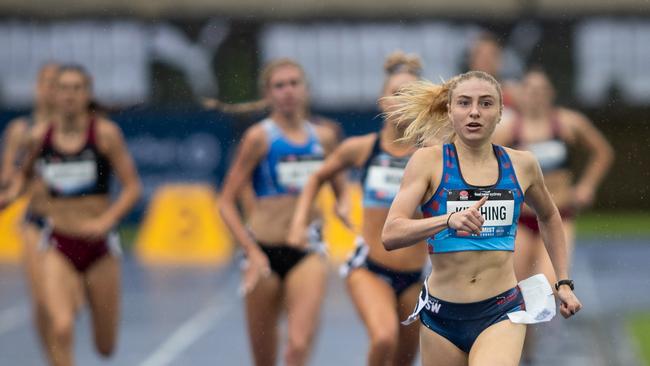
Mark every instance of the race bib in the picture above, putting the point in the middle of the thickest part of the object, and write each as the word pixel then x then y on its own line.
pixel 498 211
pixel 70 176
pixel 550 154
pixel 293 171
pixel 385 176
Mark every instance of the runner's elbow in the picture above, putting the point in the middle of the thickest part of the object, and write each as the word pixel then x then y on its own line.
pixel 390 237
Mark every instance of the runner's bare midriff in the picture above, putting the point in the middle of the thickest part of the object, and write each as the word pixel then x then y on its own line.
pixel 471 276
pixel 68 212
pixel 271 219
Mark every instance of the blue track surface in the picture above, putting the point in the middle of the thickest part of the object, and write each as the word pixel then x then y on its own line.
pixel 194 317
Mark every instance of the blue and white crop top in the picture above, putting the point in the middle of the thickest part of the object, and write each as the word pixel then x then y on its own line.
pixel 381 176
pixel 552 154
pixel 85 172
pixel 501 211
pixel 286 166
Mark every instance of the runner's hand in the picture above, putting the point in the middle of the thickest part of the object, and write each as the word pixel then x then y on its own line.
pixel 342 210
pixel 297 236
pixel 257 267
pixel 94 229
pixel 583 196
pixel 569 303
pixel 470 220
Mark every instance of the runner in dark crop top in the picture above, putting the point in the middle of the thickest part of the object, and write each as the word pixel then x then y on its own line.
pixel 550 133
pixel 73 158
pixel 77 174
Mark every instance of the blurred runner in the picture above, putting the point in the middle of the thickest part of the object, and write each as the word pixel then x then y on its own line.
pixel 14 153
pixel 276 156
pixel 550 133
pixel 73 158
pixel 383 285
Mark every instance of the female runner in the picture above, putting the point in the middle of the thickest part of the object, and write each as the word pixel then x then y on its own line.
pixel 470 192
pixel 14 153
pixel 73 159
pixel 383 285
pixel 277 155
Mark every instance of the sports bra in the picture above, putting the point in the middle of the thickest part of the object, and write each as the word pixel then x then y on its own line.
pixel 287 166
pixel 85 172
pixel 552 154
pixel 500 211
pixel 381 176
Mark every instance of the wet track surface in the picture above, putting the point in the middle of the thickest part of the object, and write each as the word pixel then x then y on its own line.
pixel 190 316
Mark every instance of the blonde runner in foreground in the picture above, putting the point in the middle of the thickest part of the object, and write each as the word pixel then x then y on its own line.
pixel 470 192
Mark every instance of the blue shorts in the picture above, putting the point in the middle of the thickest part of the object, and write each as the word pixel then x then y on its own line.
pixel 35 219
pixel 462 323
pixel 398 280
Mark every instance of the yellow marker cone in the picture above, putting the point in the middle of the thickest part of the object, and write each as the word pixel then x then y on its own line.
pixel 10 235
pixel 182 227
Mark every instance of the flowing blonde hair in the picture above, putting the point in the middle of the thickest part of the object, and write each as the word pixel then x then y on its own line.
pixel 423 105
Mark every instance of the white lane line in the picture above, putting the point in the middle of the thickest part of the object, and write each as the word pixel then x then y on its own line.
pixel 188 333
pixel 13 318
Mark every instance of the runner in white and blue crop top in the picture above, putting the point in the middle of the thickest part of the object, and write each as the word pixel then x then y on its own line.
pixel 382 285
pixel 276 156
pixel 470 192
pixel 287 165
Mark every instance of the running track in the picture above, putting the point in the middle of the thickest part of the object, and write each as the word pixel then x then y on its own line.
pixel 194 317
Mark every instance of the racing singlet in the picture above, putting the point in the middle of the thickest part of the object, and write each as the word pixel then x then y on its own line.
pixel 286 166
pixel 84 172
pixel 500 212
pixel 381 176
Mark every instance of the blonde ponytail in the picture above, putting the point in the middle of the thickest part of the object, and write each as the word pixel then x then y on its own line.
pixel 422 106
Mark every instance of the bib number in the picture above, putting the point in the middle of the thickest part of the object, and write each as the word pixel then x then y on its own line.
pixel 498 211
pixel 70 177
pixel 294 171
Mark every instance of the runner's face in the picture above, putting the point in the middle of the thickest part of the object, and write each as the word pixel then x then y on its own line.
pixel 474 109
pixel 537 91
pixel 486 56
pixel 286 90
pixel 72 93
